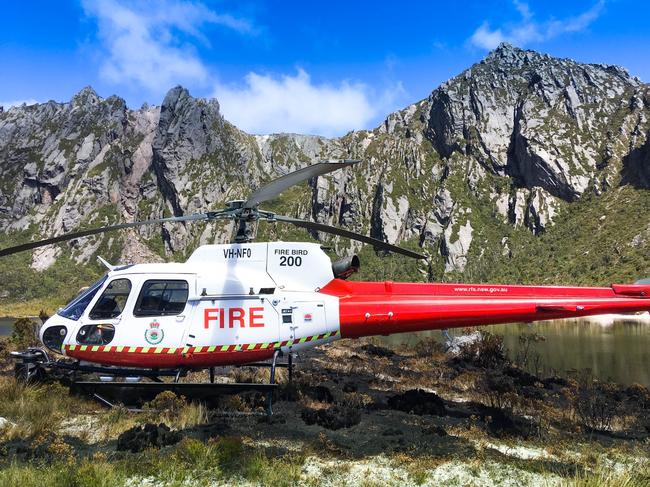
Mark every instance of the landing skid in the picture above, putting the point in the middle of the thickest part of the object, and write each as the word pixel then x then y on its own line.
pixel 35 364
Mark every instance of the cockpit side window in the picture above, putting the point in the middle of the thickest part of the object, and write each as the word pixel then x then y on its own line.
pixel 162 298
pixel 75 308
pixel 112 301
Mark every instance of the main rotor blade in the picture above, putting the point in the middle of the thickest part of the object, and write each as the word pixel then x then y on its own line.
pixel 348 234
pixel 94 231
pixel 277 186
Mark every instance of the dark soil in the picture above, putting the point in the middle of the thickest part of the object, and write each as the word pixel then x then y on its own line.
pixel 354 398
pixel 319 393
pixel 139 438
pixel 417 401
pixel 376 351
pixel 333 418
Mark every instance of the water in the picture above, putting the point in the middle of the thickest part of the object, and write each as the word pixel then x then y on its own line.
pixel 6 326
pixel 618 352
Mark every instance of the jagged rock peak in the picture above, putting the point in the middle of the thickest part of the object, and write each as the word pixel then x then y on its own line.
pixel 507 56
pixel 178 96
pixel 87 96
pixel 519 135
pixel 173 96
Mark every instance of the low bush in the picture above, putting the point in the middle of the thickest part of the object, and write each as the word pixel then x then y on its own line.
pixel 486 352
pixel 597 403
pixel 175 411
pixel 24 333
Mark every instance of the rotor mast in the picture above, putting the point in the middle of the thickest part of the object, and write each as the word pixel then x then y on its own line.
pixel 244 218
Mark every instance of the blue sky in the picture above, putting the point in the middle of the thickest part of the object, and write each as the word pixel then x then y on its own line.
pixel 313 67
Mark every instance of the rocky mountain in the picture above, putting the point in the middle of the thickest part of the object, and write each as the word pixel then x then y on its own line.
pixel 484 175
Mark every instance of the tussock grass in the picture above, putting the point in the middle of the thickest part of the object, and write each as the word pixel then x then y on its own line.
pixel 191 462
pixel 607 476
pixel 87 473
pixel 36 408
pixel 190 415
pixel 116 421
pixel 175 411
pixel 227 458
pixel 258 375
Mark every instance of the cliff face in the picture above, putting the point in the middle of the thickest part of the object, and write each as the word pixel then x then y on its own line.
pixel 505 148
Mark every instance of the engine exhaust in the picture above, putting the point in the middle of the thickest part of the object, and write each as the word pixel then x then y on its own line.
pixel 346 266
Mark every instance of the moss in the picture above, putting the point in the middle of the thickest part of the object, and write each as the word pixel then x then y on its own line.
pixel 68 147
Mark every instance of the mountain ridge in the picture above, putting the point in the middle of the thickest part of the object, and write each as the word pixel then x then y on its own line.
pixel 491 159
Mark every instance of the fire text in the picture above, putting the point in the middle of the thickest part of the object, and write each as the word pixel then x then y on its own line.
pixel 234 317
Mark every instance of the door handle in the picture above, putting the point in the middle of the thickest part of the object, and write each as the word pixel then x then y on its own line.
pixel 180 318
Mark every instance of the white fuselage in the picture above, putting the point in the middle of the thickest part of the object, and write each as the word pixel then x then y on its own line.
pixel 227 303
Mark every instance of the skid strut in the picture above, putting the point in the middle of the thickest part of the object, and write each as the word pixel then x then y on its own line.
pixel 269 396
pixel 290 367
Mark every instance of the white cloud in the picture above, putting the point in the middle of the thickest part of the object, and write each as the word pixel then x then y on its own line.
pixel 16 103
pixel 529 30
pixel 143 45
pixel 267 104
pixel 486 38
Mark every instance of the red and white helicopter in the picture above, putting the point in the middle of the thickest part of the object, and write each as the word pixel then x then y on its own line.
pixel 247 302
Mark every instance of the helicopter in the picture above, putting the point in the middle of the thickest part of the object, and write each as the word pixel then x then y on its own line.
pixel 247 302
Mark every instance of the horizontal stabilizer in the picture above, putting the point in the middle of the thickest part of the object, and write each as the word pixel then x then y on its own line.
pixel 639 289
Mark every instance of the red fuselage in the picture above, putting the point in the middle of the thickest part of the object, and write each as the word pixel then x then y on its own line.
pixel 382 308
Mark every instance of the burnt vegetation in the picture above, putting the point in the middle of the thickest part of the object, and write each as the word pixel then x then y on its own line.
pixel 351 400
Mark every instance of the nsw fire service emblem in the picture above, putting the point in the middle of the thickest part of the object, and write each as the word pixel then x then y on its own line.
pixel 154 334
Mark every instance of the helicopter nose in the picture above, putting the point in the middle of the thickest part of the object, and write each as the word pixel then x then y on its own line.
pixel 53 335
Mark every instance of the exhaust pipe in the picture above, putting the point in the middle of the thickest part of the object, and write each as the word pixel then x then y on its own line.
pixel 345 267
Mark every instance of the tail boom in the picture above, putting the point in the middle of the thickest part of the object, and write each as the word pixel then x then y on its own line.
pixel 383 308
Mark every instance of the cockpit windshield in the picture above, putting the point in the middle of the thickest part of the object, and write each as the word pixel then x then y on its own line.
pixel 75 308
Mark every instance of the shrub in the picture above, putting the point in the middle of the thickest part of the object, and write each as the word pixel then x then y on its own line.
pixel 176 411
pixel 527 357
pixel 486 352
pixel 499 389
pixel 596 403
pixel 428 346
pixel 24 333
pixel 166 401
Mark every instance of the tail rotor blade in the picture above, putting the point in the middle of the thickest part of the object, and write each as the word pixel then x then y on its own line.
pixel 348 234
pixel 95 231
pixel 277 186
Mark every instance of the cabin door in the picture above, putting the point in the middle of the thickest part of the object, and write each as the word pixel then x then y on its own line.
pixel 161 313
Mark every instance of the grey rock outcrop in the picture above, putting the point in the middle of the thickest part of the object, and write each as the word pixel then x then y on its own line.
pixel 511 141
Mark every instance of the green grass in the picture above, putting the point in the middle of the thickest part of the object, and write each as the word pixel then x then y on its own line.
pixel 606 476
pixel 87 473
pixel 591 243
pixel 189 462
pixel 36 409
